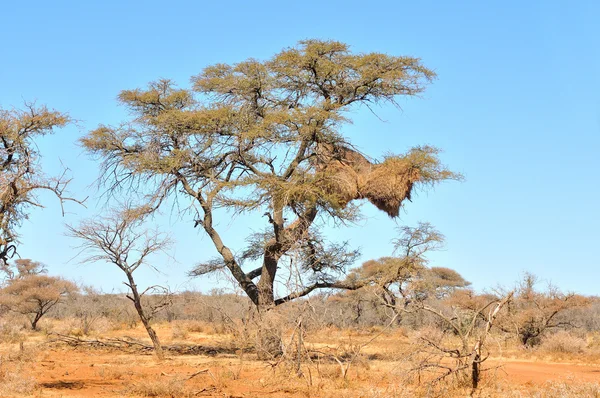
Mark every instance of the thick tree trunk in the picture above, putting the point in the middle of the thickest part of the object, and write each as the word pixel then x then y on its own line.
pixel 266 283
pixel 269 340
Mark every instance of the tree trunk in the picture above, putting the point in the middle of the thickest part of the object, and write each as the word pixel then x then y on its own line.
pixel 476 358
pixel 137 302
pixel 266 283
pixel 269 340
pixel 299 350
pixel 35 321
pixel 476 366
pixel 155 341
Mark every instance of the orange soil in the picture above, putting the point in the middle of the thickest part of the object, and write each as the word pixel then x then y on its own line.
pixel 530 372
pixel 62 371
pixel 68 373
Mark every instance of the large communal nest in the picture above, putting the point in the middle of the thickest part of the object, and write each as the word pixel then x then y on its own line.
pixel 348 175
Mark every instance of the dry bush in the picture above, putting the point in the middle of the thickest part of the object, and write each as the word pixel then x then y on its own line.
pixel 533 313
pixel 593 342
pixel 14 377
pixel 69 327
pixel 197 327
pixel 568 390
pixel 79 328
pixel 11 331
pixel 15 381
pixel 113 373
pixel 268 336
pixel 182 329
pixel 563 343
pixel 34 294
pixel 171 388
pixel 178 332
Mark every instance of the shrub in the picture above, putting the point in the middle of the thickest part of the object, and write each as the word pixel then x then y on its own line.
pixel 563 343
pixel 14 381
pixel 10 331
pixel 160 388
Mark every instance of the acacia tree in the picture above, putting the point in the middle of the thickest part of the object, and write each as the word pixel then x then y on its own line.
pixel 21 176
pixel 118 239
pixel 402 278
pixel 29 292
pixel 445 281
pixel 265 137
pixel 22 268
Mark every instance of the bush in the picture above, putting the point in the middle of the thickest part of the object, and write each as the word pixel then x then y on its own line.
pixel 10 331
pixel 568 390
pixel 563 343
pixel 160 388
pixel 14 381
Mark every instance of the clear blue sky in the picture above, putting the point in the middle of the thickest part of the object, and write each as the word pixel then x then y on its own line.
pixel 516 109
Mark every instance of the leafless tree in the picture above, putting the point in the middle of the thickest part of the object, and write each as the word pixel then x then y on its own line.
pixel 119 239
pixel 471 319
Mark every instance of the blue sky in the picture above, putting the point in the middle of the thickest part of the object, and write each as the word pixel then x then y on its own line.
pixel 516 109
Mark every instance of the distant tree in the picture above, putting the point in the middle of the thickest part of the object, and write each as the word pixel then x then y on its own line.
pixel 22 268
pixel 445 281
pixel 406 277
pixel 119 239
pixel 534 312
pixel 30 292
pixel 265 137
pixel 21 176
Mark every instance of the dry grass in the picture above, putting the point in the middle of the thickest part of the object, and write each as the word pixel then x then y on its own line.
pixel 171 388
pixel 563 343
pixel 15 379
pixel 378 369
pixel 11 331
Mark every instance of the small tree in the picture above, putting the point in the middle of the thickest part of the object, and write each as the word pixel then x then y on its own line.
pixel 118 239
pixel 533 313
pixel 471 318
pixel 29 292
pixel 406 278
pixel 21 176
pixel 445 281
pixel 22 268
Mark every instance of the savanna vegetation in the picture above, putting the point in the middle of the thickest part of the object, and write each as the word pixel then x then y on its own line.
pixel 303 317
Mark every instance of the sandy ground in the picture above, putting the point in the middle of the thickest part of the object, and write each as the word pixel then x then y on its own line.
pixel 533 372
pixel 67 373
pixel 63 371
